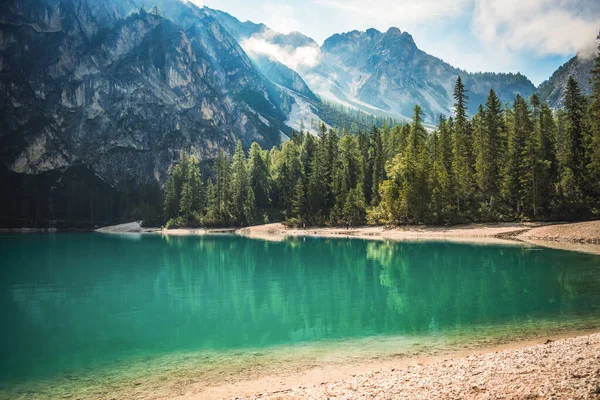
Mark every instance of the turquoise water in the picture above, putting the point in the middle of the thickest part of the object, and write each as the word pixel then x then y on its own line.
pixel 71 302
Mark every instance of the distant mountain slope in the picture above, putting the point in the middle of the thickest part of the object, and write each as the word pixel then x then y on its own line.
pixel 268 65
pixel 388 72
pixel 552 91
pixel 83 83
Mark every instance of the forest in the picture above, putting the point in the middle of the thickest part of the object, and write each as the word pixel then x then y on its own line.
pixel 521 161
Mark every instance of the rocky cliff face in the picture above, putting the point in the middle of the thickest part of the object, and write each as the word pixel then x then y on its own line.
pixel 552 91
pixel 82 82
pixel 373 70
pixel 272 68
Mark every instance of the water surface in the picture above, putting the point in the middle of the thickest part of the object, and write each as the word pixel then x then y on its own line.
pixel 79 302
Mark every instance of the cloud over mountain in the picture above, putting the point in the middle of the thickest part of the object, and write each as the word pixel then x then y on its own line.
pixel 545 27
pixel 294 57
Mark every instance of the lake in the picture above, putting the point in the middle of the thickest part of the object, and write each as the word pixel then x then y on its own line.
pixel 85 305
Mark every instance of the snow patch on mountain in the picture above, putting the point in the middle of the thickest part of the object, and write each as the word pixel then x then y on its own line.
pixel 303 116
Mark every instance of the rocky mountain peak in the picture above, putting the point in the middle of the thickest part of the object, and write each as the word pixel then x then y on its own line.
pixel 393 31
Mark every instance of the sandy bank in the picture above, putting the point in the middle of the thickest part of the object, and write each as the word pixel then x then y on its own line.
pixel 471 232
pixel 580 232
pixel 581 236
pixel 130 227
pixel 136 227
pixel 566 368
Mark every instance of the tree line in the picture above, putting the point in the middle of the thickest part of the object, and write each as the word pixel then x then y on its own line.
pixel 519 161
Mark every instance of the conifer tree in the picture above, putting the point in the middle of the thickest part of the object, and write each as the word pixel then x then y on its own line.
pixel 192 195
pixel 364 144
pixel 222 188
pixel 301 210
pixel 354 211
pixel 377 163
pixel 462 165
pixel 574 107
pixel 515 167
pixel 534 167
pixel 171 197
pixel 547 132
pixel 259 178
pixel 572 155
pixel 593 148
pixel 239 187
pixel 491 151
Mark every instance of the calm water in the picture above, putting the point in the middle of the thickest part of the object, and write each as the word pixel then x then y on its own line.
pixel 70 302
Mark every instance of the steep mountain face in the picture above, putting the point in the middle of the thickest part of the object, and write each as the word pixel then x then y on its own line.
pixel 552 91
pixel 387 72
pixel 82 83
pixel 272 68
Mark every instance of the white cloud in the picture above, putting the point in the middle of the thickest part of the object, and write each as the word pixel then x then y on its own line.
pixel 280 17
pixel 293 57
pixel 545 27
pixel 401 13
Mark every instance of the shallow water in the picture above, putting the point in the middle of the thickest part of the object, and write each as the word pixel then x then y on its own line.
pixel 74 304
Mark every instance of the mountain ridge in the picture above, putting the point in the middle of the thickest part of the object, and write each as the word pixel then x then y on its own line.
pixel 130 96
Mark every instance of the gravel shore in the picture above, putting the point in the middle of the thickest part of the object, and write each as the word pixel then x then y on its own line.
pixel 562 369
pixel 580 232
pixel 581 236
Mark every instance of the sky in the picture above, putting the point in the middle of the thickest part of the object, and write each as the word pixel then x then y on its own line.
pixel 533 37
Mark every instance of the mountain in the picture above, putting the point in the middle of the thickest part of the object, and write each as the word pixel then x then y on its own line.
pixel 87 82
pixel 380 73
pixel 552 91
pixel 387 72
pixel 272 68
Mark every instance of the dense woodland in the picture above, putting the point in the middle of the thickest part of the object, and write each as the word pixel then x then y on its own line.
pixel 519 161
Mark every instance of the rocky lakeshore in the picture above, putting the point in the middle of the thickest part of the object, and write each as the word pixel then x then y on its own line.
pixel 580 236
pixel 562 369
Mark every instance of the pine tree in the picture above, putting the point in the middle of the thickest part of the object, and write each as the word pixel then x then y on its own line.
pixel 439 179
pixel 171 198
pixel 446 146
pixel 415 183
pixel 212 216
pixel 547 132
pixel 404 194
pixel 377 163
pixel 222 189
pixel 329 160
pixel 480 145
pixel 593 147
pixel 364 144
pixel 443 169
pixel 301 210
pixel 515 167
pixel 490 152
pixel 572 149
pixel 354 211
pixel 239 185
pixel 317 184
pixel 259 178
pixel 462 164
pixel 192 196
pixel 347 175
pixel 173 186
pixel 575 106
pixel 533 165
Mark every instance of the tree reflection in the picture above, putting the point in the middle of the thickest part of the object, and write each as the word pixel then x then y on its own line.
pixel 81 299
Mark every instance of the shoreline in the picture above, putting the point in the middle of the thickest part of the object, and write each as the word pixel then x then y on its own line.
pixel 382 364
pixel 523 360
pixel 578 236
pixel 561 366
